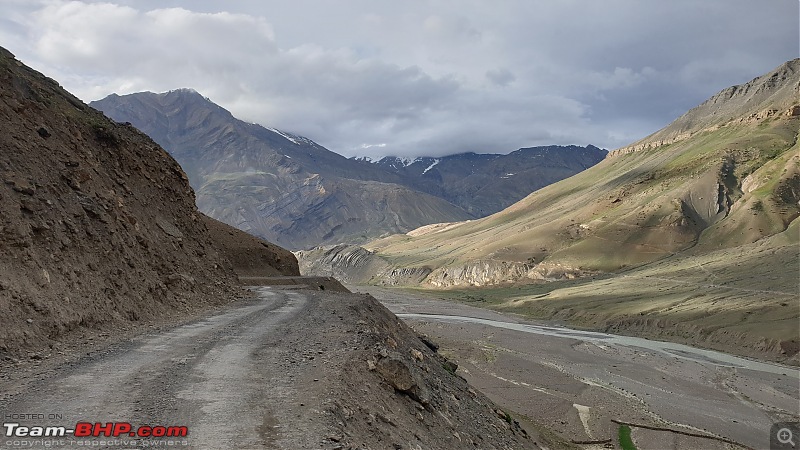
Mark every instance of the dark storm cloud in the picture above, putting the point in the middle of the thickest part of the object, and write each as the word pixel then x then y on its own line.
pixel 417 77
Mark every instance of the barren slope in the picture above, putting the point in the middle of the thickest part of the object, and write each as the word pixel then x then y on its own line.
pixel 98 224
pixel 718 188
pixel 250 256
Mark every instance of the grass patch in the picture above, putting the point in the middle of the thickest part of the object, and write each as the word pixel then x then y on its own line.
pixel 625 440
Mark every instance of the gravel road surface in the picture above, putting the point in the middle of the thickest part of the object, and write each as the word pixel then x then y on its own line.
pixel 218 377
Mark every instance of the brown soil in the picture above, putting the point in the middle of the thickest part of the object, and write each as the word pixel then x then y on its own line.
pixel 251 256
pixel 377 385
pixel 98 225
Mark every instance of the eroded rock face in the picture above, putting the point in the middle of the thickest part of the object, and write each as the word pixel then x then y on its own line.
pixel 98 224
pixel 347 263
pixel 487 273
pixel 353 264
pixel 478 273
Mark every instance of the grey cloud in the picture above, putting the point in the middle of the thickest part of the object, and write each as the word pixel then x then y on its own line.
pixel 500 77
pixel 419 77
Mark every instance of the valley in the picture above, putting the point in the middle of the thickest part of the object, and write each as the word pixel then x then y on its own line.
pixel 580 383
pixel 123 305
pixel 689 235
pixel 166 263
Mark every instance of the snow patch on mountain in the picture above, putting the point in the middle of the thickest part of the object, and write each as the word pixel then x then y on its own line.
pixel 435 162
pixel 297 140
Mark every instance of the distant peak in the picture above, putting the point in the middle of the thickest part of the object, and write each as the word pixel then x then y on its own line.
pixel 184 91
pixel 187 92
pixel 363 158
pixel 399 160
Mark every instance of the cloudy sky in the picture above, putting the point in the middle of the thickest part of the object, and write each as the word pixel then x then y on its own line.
pixel 415 77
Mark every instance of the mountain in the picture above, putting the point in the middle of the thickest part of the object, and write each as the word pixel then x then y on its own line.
pixel 99 224
pixel 700 221
pixel 730 179
pixel 273 184
pixel 294 192
pixel 484 184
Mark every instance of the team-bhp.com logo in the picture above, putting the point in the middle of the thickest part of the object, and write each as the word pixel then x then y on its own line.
pixel 97 429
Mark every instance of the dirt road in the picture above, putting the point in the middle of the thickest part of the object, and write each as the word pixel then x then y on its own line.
pixel 202 375
pixel 290 368
pixel 578 382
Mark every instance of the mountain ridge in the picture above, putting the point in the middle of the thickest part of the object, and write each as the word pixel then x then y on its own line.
pixel 294 192
pixel 485 183
pixel 751 101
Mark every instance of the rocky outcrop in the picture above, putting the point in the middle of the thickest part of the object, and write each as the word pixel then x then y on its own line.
pixel 347 263
pixel 765 97
pixel 404 276
pixel 478 273
pixel 488 273
pixel 403 377
pixel 356 265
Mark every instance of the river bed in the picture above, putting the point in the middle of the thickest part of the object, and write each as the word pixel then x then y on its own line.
pixel 578 382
